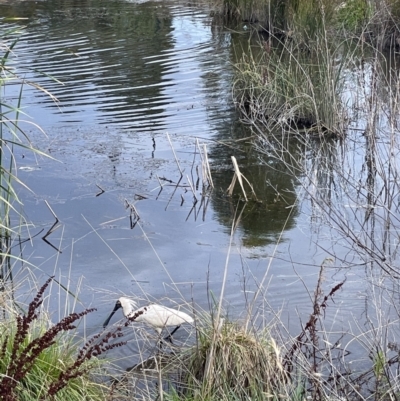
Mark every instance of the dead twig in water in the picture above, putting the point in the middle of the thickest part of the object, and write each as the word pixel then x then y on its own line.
pixel 161 187
pixel 237 176
pixel 173 193
pixel 140 197
pixel 240 177
pixel 134 215
pixel 53 228
pixel 165 179
pixel 194 159
pixel 207 167
pixel 192 188
pixel 20 242
pixel 176 159
pixel 101 190
pixel 191 210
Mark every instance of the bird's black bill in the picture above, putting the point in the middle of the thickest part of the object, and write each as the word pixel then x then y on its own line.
pixel 116 307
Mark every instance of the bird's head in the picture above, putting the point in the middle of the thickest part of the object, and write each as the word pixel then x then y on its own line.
pixel 128 305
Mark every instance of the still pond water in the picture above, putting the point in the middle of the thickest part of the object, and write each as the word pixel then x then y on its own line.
pixel 127 74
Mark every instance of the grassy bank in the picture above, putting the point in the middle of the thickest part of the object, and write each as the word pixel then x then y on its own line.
pixel 41 360
pixel 232 360
pixel 223 360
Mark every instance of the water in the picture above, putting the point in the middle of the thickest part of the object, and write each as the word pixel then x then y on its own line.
pixel 127 73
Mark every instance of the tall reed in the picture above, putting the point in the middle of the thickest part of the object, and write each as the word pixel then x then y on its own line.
pixel 12 137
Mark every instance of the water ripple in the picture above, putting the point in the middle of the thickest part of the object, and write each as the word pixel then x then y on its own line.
pixel 148 70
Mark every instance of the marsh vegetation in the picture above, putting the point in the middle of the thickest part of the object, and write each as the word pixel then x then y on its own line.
pixel 320 93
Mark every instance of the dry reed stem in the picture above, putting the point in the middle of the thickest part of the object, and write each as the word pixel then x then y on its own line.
pixel 238 175
pixel 207 166
pixel 192 188
pixel 210 359
pixel 53 228
pixel 173 151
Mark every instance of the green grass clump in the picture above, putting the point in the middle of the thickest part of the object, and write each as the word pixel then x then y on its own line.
pixel 230 363
pixel 292 89
pixel 46 368
pixel 43 361
pixel 354 15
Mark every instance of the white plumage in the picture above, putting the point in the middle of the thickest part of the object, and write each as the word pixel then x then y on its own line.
pixel 156 316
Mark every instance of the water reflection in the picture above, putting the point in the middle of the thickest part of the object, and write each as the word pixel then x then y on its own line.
pixel 99 54
pixel 131 72
pixel 274 208
pixel 135 65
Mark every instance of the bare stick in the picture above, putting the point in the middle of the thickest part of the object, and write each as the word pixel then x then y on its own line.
pixel 101 190
pixel 191 187
pixel 239 175
pixel 207 166
pixel 203 169
pixel 161 186
pixel 232 185
pixel 51 210
pixel 173 151
pixel 251 186
pixel 191 210
pixel 140 197
pixel 173 193
pixel 194 159
pixel 53 228
pixel 134 215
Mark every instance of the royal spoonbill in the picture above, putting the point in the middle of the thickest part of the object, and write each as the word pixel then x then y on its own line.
pixel 156 316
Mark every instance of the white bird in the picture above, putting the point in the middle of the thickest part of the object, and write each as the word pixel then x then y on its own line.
pixel 156 316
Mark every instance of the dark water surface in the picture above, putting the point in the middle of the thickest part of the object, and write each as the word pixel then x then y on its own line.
pixel 128 73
